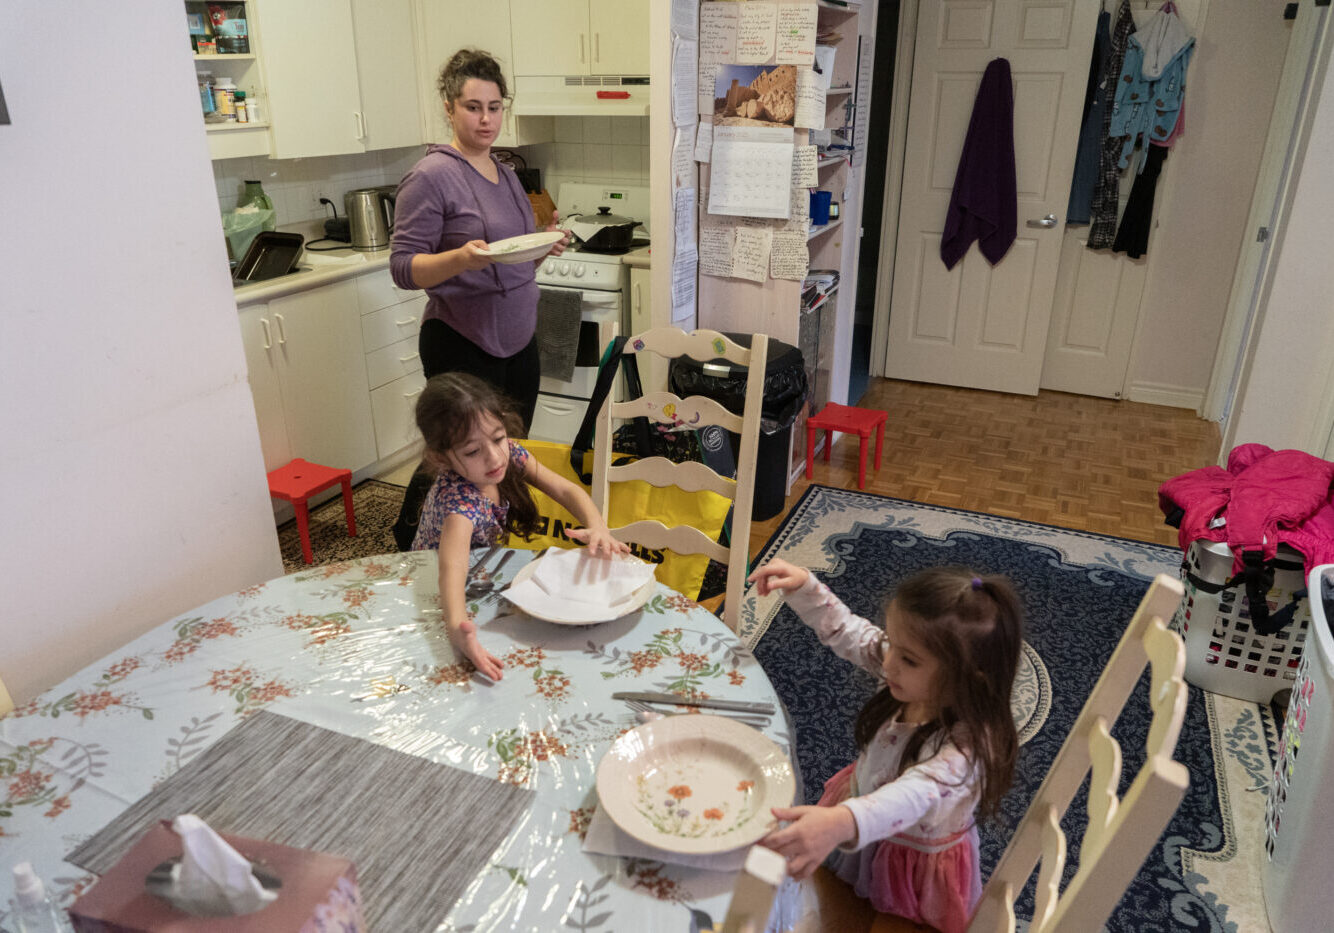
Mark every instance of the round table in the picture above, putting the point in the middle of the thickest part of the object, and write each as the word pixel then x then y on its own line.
pixel 359 648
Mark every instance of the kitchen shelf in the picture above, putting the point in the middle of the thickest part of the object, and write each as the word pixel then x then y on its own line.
pixel 824 228
pixel 837 91
pixel 226 57
pixel 826 161
pixel 232 126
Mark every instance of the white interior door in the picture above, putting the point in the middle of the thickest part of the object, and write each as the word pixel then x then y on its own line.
pixel 977 325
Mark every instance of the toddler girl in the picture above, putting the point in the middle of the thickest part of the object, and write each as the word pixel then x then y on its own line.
pixel 936 743
pixel 481 490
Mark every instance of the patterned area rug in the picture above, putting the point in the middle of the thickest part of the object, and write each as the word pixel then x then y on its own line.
pixel 375 505
pixel 1079 590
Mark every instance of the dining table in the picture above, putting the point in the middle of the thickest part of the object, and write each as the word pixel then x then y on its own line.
pixel 358 649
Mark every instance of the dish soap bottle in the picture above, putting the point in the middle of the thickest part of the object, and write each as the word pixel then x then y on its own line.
pixel 254 194
pixel 33 910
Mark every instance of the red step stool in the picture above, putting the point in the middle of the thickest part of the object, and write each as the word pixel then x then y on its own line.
pixel 298 481
pixel 860 421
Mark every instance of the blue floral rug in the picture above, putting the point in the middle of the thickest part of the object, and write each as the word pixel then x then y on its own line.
pixel 1079 591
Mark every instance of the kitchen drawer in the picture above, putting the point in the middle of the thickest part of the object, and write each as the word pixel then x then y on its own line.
pixel 392 324
pixel 393 411
pixel 377 290
pixel 389 363
pixel 557 418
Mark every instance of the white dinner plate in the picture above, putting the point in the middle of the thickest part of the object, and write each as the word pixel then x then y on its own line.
pixel 524 248
pixel 694 784
pixel 542 609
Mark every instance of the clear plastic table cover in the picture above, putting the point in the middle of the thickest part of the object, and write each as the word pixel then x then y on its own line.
pixel 358 647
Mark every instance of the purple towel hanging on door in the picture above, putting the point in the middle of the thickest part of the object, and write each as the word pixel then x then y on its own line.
pixel 984 205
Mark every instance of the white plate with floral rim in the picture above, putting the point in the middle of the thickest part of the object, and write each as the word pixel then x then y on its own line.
pixel 523 248
pixel 694 784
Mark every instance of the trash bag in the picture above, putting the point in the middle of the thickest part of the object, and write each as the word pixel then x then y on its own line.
pixel 243 225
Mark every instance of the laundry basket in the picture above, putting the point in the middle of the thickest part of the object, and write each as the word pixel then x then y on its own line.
pixel 1299 816
pixel 1224 653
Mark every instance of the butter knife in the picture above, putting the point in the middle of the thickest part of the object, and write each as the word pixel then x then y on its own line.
pixel 735 706
pixel 490 552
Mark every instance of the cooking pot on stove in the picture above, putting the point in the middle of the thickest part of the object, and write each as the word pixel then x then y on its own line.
pixel 603 232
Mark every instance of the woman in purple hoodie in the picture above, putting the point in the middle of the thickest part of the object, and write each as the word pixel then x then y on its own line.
pixel 481 316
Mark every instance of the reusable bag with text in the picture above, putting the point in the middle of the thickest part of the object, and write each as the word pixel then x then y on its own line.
pixel 635 500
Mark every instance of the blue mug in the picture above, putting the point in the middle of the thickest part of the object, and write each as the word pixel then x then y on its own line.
pixel 820 201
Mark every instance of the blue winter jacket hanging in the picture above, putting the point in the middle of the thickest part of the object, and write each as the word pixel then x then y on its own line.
pixel 1153 83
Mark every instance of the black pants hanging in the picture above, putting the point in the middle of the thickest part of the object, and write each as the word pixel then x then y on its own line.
pixel 1132 237
pixel 445 350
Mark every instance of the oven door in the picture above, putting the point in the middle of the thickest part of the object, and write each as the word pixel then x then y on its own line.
pixel 599 318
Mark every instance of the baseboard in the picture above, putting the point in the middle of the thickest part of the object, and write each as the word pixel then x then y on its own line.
pixel 1156 393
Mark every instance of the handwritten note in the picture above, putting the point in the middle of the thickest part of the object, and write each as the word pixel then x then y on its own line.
pixel 799 217
pixel 684 269
pixel 750 179
pixel 789 255
pixel 715 249
pixel 708 77
pixel 704 142
pixel 755 39
pixel 685 19
pixel 683 157
pixel 717 32
pixel 805 167
pixel 810 100
pixel 750 253
pixel 684 208
pixel 795 39
pixel 685 71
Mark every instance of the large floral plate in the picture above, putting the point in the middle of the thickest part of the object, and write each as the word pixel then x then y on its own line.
pixel 523 248
pixel 562 612
pixel 694 784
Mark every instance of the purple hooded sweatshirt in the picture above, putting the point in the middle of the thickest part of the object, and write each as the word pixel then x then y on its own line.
pixel 443 203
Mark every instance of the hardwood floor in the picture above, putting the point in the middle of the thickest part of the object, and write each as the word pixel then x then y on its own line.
pixel 1070 460
pixel 1078 462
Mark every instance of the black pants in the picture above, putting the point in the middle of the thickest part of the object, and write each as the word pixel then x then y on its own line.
pixel 445 350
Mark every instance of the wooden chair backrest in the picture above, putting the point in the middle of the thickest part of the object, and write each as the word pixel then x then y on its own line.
pixel 692 412
pixel 1120 831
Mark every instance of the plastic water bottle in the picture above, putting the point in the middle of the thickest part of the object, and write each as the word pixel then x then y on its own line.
pixel 33 911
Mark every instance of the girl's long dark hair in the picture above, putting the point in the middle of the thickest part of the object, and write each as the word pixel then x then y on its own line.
pixel 448 409
pixel 972 624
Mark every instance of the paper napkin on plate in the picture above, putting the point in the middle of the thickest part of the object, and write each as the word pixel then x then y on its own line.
pixel 604 837
pixel 573 586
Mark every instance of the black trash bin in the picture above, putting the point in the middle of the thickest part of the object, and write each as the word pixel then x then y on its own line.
pixel 784 392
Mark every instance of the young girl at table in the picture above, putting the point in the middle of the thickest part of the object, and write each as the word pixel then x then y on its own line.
pixel 937 743
pixel 481 491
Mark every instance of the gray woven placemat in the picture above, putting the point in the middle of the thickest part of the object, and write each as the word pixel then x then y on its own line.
pixel 418 831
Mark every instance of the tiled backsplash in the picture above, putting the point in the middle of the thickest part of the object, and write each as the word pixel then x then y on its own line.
pixel 586 149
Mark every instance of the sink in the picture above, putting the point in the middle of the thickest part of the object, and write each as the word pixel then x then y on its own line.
pixel 320 260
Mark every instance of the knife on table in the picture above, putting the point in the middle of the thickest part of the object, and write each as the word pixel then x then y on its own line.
pixel 735 706
pixel 490 552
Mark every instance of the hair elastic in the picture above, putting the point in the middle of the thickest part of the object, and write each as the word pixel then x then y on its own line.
pixel 977 583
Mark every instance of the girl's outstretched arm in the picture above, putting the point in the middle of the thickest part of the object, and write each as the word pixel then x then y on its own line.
pixel 778 574
pixel 455 539
pixel 579 504
pixel 810 837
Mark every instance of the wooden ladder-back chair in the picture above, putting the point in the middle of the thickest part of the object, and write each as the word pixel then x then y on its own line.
pixel 690 413
pixel 1120 831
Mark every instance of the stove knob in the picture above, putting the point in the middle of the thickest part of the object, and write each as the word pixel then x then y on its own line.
pixel 578 272
pixel 565 268
pixel 549 267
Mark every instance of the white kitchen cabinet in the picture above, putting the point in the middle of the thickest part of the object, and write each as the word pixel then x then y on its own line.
pixel 235 139
pixel 307 346
pixel 444 27
pixel 340 74
pixel 390 320
pixel 580 37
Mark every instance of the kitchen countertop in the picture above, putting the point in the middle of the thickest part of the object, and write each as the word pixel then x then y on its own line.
pixel 316 268
pixel 638 258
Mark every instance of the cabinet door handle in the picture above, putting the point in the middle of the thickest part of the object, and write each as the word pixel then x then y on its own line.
pixel 409 357
pixel 282 329
pixel 412 394
pixel 581 48
pixel 268 336
pixel 597 47
pixel 411 320
pixel 639 298
pixel 361 124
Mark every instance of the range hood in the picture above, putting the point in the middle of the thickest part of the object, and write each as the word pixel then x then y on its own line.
pixel 581 95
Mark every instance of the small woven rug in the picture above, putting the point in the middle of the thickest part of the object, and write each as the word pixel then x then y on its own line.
pixel 375 504
pixel 1079 591
pixel 417 831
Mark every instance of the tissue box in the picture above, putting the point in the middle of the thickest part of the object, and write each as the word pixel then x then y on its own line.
pixel 318 893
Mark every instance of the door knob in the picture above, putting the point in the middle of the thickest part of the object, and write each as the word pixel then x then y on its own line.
pixel 1048 221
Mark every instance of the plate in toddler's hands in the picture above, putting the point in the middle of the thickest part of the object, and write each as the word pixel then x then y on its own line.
pixel 523 248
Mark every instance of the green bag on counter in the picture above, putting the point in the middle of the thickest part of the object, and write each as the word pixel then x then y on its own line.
pixel 243 225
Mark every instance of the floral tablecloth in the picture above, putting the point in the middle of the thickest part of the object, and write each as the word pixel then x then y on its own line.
pixel 358 647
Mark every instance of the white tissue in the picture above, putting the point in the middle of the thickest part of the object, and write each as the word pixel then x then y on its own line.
pixel 213 879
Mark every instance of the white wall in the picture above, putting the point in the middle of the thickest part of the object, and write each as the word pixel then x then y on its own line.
pixel 1281 401
pixel 133 481
pixel 1210 176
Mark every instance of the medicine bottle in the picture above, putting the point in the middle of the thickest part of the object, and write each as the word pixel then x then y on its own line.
pixel 242 116
pixel 224 91
pixel 252 108
pixel 206 99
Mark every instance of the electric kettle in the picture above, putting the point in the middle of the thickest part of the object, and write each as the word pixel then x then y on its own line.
pixel 370 214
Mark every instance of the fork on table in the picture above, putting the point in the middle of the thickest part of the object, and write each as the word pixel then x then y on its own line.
pixel 750 719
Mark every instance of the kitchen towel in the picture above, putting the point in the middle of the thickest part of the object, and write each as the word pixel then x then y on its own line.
pixel 417 831
pixel 984 205
pixel 558 321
